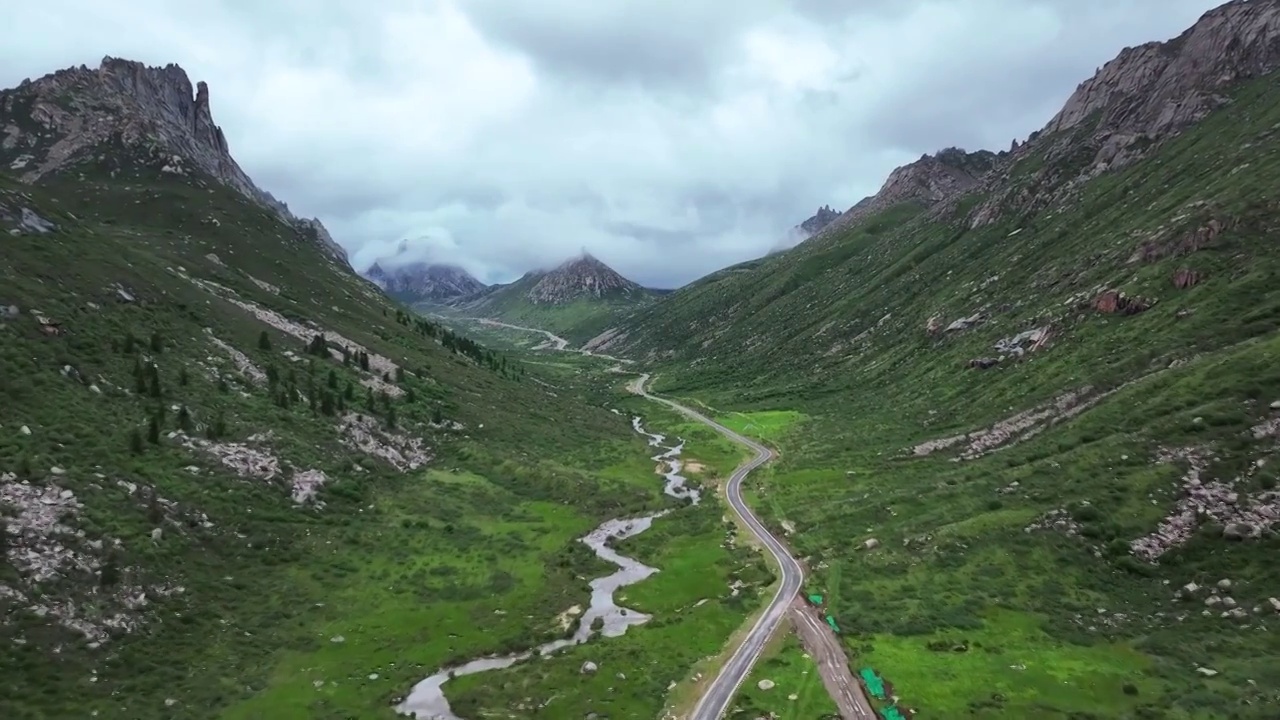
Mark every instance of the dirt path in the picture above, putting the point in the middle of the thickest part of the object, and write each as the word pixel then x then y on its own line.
pixel 833 665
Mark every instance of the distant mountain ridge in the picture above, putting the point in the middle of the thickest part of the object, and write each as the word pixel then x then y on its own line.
pixel 65 119
pixel 424 282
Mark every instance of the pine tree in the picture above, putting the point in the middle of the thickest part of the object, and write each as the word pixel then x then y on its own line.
pixel 409 396
pixel 153 380
pixel 157 345
pixel 318 346
pixel 368 400
pixel 349 393
pixel 130 343
pixel 391 416
pixel 184 419
pixel 399 374
pixel 326 403
pixel 332 381
pixel 264 341
pixel 153 430
pixel 273 376
pixel 222 385
pixel 364 361
pixel 109 575
pixel 135 442
pixel 183 378
pixel 155 513
pixel 437 417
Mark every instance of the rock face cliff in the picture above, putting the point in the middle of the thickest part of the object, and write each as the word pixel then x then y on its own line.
pixel 151 116
pixel 417 282
pixel 581 277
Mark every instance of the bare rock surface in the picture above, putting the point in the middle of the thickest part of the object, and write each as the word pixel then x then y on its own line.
pixel 367 435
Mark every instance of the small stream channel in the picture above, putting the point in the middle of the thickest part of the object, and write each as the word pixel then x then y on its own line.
pixel 426 701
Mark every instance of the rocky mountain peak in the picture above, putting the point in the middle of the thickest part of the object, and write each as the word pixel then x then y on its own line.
pixel 581 277
pixel 1159 88
pixel 151 116
pixel 1145 95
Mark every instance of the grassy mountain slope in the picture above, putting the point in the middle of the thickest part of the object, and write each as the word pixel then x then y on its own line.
pixel 202 517
pixel 1011 573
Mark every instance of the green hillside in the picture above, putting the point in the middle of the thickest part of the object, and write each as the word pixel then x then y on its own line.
pixel 1007 412
pixel 206 511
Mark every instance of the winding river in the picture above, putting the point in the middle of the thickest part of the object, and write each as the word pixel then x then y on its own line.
pixel 426 701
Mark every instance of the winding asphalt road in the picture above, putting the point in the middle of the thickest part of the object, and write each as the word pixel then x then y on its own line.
pixel 720 692
pixel 832 664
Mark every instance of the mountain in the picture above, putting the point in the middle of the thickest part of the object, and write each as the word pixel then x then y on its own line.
pixel 222 449
pixel 424 282
pixel 150 116
pixel 576 299
pixel 1033 394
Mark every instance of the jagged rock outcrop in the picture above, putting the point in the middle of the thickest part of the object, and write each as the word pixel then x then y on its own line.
pixel 581 277
pixel 807 229
pixel 424 281
pixel 824 217
pixel 153 114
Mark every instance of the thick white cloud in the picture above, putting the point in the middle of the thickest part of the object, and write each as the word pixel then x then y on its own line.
pixel 668 137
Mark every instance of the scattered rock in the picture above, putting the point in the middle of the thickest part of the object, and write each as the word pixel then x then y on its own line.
pixel 765 684
pixel 1185 278
pixel 965 323
pixel 870 544
pixel 337 639
pixel 24 430
pixel 1224 584
pixel 1203 500
pixel 1115 301
pixel 31 222
pixel 1032 340
pixel 366 434
pixel 1207 672
pixel 588 667
pixel 156 534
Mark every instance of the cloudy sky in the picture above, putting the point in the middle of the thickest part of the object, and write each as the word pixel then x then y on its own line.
pixel 667 137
